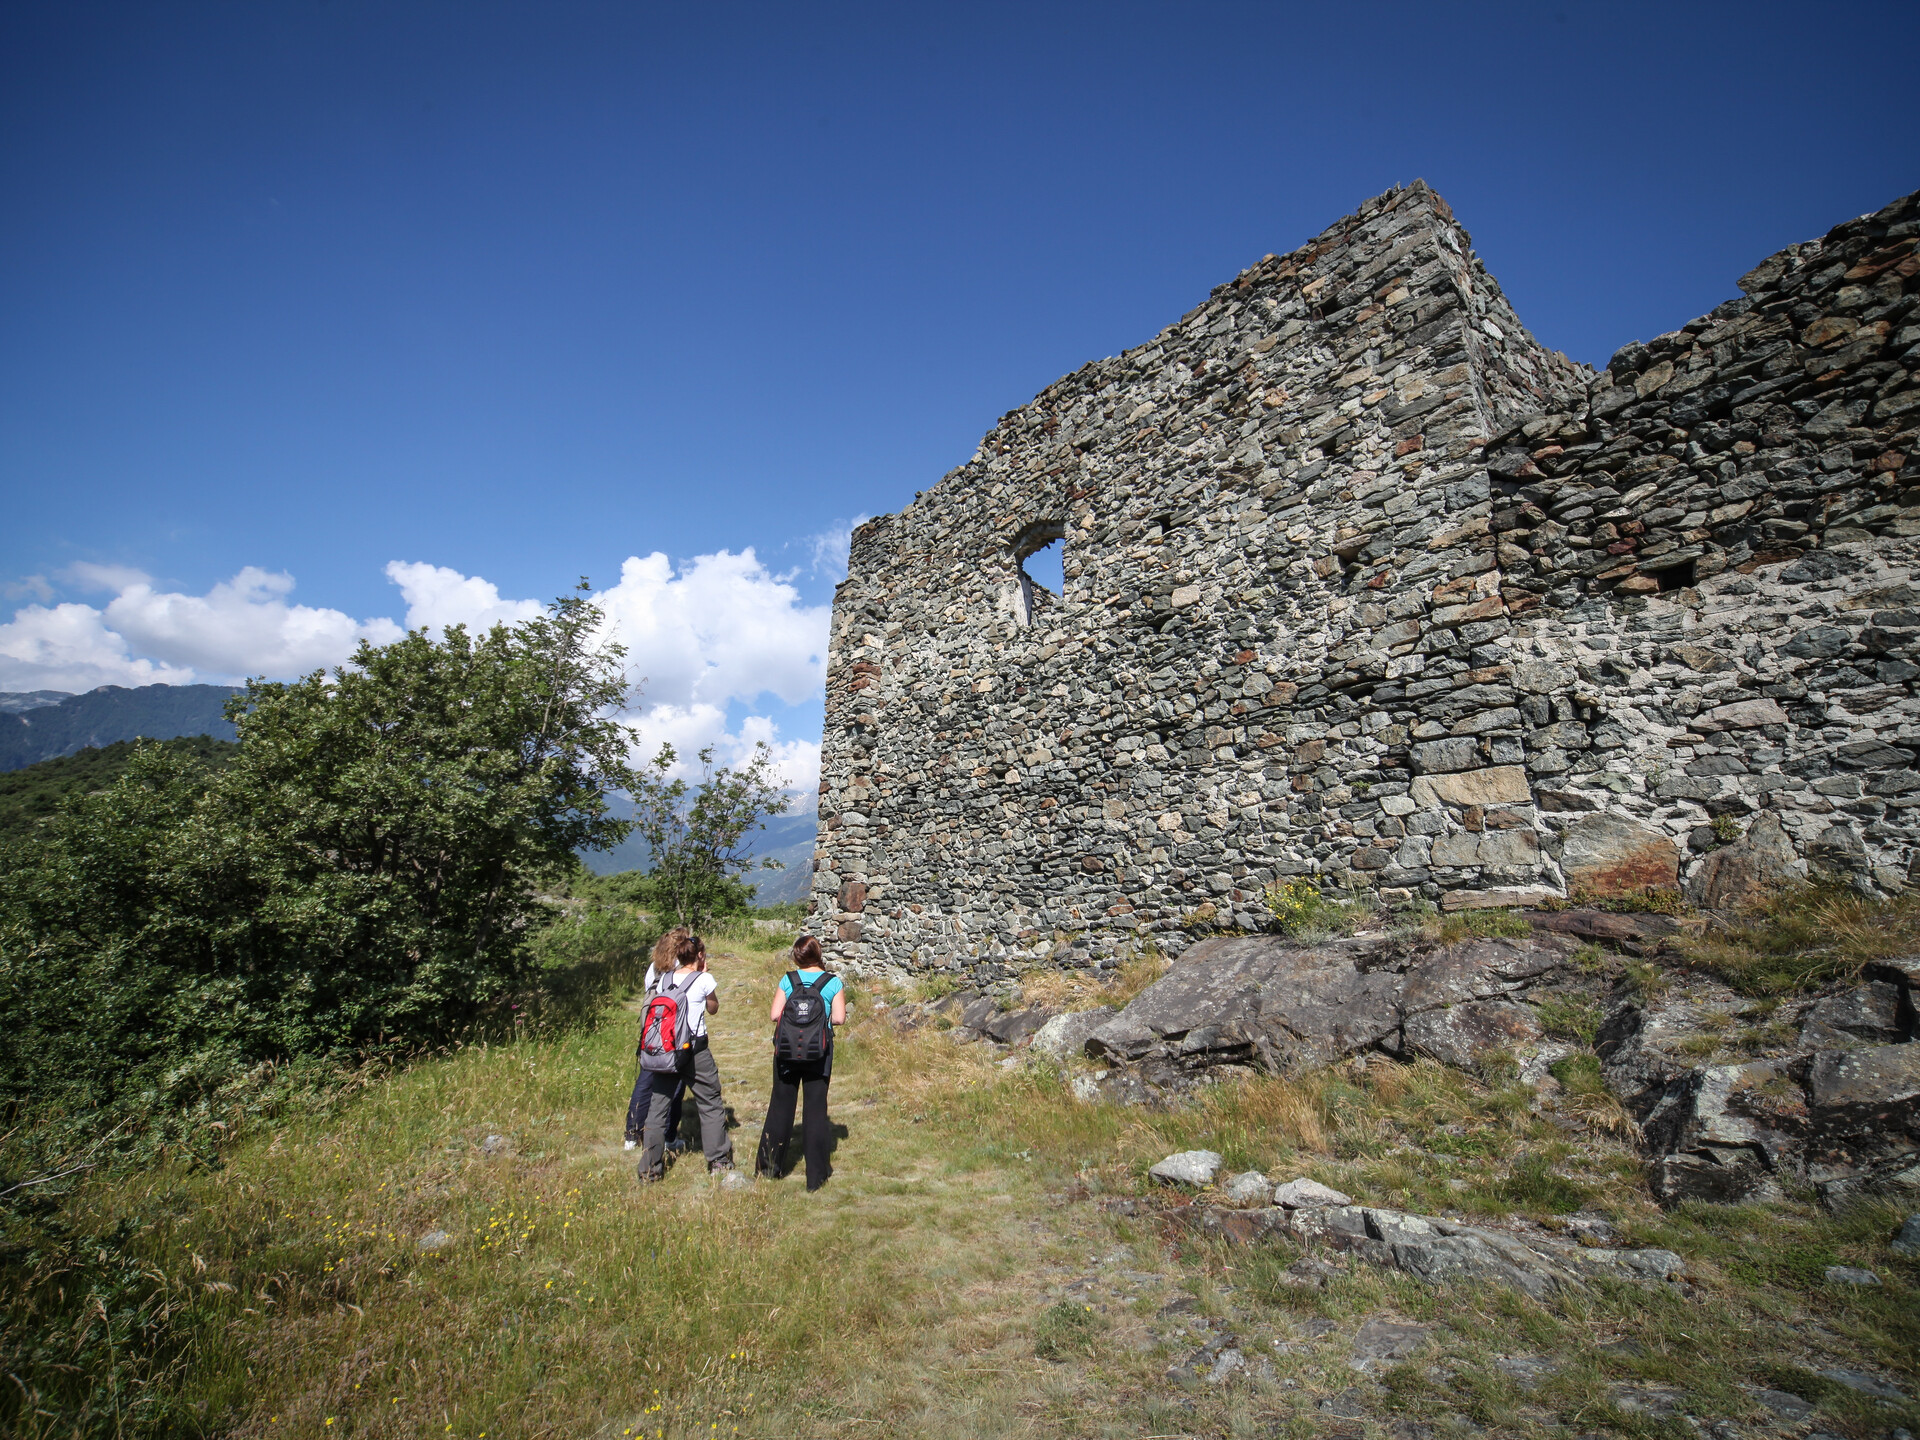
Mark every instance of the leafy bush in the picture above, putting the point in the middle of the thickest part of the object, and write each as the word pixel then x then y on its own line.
pixel 362 874
pixel 1300 909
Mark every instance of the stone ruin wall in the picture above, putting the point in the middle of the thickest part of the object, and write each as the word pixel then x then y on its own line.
pixel 1362 584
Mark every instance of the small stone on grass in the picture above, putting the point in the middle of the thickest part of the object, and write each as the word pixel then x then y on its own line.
pixel 1850 1275
pixel 1305 1194
pixel 1188 1167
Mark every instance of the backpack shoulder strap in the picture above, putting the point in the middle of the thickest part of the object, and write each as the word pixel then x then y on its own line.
pixel 794 983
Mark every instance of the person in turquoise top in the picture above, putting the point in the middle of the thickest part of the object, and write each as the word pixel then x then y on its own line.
pixel 795 1078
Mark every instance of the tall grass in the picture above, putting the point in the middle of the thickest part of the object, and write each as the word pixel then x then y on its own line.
pixel 1805 936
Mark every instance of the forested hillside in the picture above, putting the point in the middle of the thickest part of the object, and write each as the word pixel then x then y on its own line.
pixel 32 795
pixel 107 715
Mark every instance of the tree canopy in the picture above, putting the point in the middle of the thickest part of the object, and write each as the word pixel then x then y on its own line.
pixel 363 872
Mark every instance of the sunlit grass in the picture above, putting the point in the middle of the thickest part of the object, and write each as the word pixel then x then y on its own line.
pixel 915 1293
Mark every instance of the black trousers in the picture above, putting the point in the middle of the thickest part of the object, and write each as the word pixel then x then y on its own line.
pixel 791 1081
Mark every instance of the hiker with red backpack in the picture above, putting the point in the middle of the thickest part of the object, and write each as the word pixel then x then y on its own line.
pixel 661 965
pixel 808 1004
pixel 673 1046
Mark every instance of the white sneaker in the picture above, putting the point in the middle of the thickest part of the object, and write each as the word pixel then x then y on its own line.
pixel 632 1145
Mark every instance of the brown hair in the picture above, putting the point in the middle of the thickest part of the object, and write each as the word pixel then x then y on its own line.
pixel 666 946
pixel 687 949
pixel 806 954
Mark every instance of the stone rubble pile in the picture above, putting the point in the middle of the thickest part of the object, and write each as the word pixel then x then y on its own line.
pixel 1438 1250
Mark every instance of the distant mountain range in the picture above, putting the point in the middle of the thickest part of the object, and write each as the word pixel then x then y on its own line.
pixel 787 838
pixel 44 724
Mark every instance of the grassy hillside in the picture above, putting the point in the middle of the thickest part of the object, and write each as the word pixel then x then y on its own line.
pixel 30 795
pixel 459 1248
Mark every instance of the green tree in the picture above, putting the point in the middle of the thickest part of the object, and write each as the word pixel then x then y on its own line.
pixel 364 871
pixel 697 835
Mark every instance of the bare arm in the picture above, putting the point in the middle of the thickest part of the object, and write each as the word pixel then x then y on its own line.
pixel 779 1004
pixel 840 1007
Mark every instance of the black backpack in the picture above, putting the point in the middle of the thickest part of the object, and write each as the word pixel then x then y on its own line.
pixel 803 1033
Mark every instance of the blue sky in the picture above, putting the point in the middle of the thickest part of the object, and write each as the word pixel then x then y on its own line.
pixel 510 294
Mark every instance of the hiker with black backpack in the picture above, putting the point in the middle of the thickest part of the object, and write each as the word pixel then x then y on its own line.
pixel 673 1045
pixel 808 1004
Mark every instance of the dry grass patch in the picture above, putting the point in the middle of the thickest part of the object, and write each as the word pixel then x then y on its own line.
pixel 1806 936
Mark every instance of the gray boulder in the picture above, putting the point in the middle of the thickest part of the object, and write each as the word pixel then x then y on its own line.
pixel 1850 1275
pixel 1188 1167
pixel 1246 1190
pixel 1907 1242
pixel 1066 1035
pixel 1010 1027
pixel 1283 1007
pixel 1303 1194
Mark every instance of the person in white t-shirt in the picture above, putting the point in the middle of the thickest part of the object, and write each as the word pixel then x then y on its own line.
pixel 700 990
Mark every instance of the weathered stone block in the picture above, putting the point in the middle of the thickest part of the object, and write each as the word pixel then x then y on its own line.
pixel 1496 785
pixel 1607 854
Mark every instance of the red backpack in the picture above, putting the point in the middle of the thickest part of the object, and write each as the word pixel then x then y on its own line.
pixel 666 1027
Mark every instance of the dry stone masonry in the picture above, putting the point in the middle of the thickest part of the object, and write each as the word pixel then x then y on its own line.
pixel 1364 585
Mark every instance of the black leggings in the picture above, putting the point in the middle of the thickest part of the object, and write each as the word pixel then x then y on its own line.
pixel 792 1079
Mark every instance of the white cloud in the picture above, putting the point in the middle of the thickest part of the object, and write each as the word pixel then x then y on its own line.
pixel 87 576
pixel 243 626
pixel 830 546
pixel 715 635
pixel 69 647
pixel 438 596
pixel 692 728
pixel 32 587
pixel 724 628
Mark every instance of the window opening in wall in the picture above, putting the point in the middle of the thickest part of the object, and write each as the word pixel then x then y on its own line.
pixel 1047 565
pixel 1676 577
pixel 1039 554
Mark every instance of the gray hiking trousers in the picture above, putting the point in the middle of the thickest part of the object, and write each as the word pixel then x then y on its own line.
pixel 703 1079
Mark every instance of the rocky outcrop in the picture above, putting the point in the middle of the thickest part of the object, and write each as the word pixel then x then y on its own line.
pixel 1283 1007
pixel 1824 1090
pixel 1735 1098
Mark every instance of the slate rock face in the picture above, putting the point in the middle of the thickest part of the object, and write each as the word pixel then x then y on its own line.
pixel 1066 1035
pixel 1745 871
pixel 1287 1008
pixel 1837 1104
pixel 1608 855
